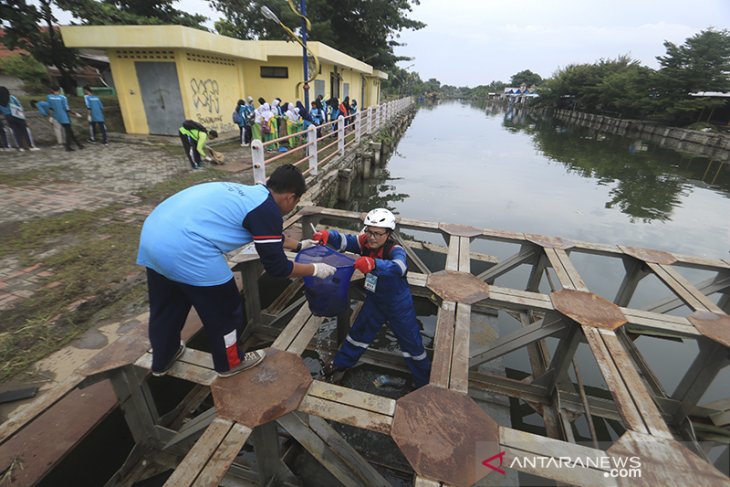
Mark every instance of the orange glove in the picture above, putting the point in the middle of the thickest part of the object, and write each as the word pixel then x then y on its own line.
pixel 322 237
pixel 365 264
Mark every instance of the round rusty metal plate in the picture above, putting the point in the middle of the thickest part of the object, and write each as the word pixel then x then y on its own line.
pixel 648 255
pixel 460 230
pixel 662 461
pixel 125 350
pixel 457 286
pixel 588 309
pixel 713 326
pixel 445 435
pixel 549 242
pixel 264 393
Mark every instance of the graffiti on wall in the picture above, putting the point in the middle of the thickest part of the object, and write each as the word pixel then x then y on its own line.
pixel 207 103
pixel 205 95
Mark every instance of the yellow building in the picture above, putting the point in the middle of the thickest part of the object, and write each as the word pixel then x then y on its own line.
pixel 166 74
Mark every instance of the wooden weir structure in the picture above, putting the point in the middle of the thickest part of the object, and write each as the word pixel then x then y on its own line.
pixel 441 430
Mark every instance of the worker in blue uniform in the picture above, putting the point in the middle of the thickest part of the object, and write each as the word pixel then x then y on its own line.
pixel 388 297
pixel 183 245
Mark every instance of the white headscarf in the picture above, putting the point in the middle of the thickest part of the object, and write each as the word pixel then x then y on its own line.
pixel 266 112
pixel 293 113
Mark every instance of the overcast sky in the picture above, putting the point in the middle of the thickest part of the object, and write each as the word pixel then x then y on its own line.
pixel 473 42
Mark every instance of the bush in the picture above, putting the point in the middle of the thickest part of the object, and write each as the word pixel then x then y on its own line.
pixel 27 69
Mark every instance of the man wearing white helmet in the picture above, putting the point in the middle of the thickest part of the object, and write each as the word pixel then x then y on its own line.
pixel 388 299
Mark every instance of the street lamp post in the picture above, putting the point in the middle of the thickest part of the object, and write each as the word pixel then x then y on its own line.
pixel 305 60
pixel 266 12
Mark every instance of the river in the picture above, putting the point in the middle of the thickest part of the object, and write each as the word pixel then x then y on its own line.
pixel 461 163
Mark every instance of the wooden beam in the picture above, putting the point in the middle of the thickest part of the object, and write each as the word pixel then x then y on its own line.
pixel 411 253
pixel 530 453
pixel 271 470
pixel 332 451
pixel 635 272
pixel 636 405
pixel 719 283
pixel 517 339
pixel 355 408
pixel 443 345
pixel 683 288
pixel 565 270
pixel 207 462
pixel 527 252
pixel 299 332
pixel 712 357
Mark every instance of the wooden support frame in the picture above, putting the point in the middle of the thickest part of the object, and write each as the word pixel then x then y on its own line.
pixel 644 410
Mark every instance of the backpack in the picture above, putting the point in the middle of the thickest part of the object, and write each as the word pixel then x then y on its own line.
pixel 193 125
pixel 237 119
pixel 265 126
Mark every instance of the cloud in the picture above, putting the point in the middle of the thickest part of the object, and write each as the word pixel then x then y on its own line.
pixel 469 43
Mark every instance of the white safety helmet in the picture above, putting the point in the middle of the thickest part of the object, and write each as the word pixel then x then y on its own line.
pixel 380 218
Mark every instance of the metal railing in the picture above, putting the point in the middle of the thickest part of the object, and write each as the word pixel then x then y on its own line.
pixel 324 142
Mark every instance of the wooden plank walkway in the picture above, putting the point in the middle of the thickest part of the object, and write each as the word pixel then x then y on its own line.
pixel 208 445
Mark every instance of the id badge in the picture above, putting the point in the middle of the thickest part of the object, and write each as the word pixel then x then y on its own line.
pixel 371 281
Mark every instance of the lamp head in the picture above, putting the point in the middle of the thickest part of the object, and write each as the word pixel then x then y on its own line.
pixel 266 12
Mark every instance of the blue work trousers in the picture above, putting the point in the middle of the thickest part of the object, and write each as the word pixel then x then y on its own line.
pixel 404 326
pixel 220 309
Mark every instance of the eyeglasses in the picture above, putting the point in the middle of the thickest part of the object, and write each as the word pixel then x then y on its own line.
pixel 374 234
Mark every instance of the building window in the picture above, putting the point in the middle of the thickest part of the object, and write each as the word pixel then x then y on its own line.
pixel 274 72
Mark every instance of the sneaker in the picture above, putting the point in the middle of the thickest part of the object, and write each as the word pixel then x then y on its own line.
pixel 178 354
pixel 196 167
pixel 34 148
pixel 91 140
pixel 70 149
pixel 251 359
pixel 21 150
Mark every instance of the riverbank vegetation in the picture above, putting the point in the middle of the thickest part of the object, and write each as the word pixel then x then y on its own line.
pixel 691 88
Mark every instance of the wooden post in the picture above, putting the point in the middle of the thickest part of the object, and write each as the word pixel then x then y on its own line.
pixel 257 159
pixel 312 149
pixel 341 135
pixel 357 127
pixel 344 183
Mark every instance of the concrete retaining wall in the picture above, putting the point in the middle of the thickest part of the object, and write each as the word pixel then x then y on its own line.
pixel 709 144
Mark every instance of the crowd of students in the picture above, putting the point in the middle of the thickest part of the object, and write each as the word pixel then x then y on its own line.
pixel 274 120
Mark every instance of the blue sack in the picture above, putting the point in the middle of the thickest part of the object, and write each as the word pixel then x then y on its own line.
pixel 327 297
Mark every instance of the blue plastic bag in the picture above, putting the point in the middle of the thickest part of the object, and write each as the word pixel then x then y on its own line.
pixel 327 297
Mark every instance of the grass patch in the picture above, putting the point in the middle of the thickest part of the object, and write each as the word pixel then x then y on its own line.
pixel 94 279
pixel 92 267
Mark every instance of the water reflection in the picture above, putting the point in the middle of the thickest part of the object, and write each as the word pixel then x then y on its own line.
pixel 646 183
pixel 521 172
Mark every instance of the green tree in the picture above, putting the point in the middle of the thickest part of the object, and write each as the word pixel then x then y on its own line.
pixel 130 12
pixel 618 86
pixel 22 30
pixel 702 63
pixel 27 69
pixel 367 31
pixel 527 77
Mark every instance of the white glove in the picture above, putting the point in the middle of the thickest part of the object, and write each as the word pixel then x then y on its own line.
pixel 323 271
pixel 208 159
pixel 305 244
